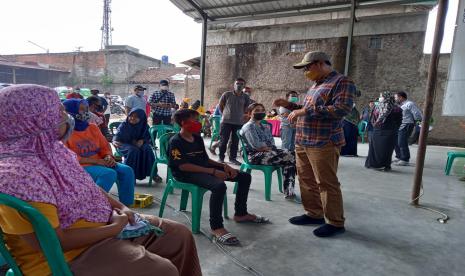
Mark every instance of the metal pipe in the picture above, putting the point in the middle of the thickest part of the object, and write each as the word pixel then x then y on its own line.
pixel 350 36
pixel 14 74
pixel 203 58
pixel 429 98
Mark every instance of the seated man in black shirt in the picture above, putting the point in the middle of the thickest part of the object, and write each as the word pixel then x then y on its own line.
pixel 190 163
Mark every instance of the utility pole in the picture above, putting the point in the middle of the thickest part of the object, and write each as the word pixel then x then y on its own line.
pixel 106 26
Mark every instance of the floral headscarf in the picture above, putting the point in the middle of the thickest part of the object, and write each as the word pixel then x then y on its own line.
pixel 385 108
pixel 36 166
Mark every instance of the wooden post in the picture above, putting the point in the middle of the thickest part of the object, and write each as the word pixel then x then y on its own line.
pixel 429 98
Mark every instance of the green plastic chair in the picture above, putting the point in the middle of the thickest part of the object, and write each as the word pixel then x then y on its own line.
pixel 196 192
pixel 45 234
pixel 216 122
pixel 266 169
pixel 113 126
pixel 362 129
pixel 451 155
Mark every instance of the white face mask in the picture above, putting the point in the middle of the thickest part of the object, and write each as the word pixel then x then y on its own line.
pixel 140 93
pixel 381 99
pixel 164 88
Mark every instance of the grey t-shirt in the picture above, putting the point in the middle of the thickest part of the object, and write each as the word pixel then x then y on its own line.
pixel 137 102
pixel 234 107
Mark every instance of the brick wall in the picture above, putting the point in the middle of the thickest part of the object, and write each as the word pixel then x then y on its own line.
pixel 398 65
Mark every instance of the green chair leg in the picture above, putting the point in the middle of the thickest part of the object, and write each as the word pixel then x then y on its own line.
pixel 184 199
pixel 153 173
pixel 449 165
pixel 196 211
pixel 168 189
pixel 280 179
pixel 268 178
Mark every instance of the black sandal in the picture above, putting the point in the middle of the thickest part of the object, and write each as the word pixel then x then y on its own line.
pixel 226 239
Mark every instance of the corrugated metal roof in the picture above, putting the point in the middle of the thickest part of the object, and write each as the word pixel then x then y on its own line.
pixel 242 10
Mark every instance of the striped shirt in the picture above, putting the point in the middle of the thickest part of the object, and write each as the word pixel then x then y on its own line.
pixel 162 97
pixel 326 103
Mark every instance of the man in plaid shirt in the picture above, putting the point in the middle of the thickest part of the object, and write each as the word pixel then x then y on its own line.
pixel 319 138
pixel 161 103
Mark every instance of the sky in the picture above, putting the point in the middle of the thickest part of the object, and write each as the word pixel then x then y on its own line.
pixel 155 27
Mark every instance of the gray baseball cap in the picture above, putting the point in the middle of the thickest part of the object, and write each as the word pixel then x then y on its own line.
pixel 311 57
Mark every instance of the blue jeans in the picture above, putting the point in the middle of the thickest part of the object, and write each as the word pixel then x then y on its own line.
pixel 402 150
pixel 288 138
pixel 104 177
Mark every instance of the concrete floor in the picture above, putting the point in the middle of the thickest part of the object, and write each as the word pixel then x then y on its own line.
pixel 385 235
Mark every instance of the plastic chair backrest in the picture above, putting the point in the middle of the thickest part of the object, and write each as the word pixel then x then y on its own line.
pixel 164 142
pixel 245 156
pixel 215 121
pixel 152 132
pixel 45 234
pixel 114 125
pixel 362 126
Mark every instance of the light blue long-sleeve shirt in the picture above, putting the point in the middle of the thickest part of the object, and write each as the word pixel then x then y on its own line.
pixel 256 136
pixel 410 112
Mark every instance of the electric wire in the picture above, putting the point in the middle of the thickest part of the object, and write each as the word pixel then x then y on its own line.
pixel 442 219
pixel 225 251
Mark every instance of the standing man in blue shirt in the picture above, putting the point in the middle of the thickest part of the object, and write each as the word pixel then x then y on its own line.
pixel 162 101
pixel 136 100
pixel 411 114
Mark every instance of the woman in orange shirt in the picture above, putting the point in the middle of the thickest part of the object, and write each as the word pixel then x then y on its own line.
pixel 94 153
pixel 36 167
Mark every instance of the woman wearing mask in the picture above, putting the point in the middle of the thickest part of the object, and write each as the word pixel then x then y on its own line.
pixel 261 148
pixel 386 119
pixel 133 141
pixel 86 219
pixel 94 153
pixel 287 128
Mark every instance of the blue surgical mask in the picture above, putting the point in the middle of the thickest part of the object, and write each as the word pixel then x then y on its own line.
pixel 140 93
pixel 69 130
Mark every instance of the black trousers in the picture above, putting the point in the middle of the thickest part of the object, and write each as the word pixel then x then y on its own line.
pixel 402 150
pixel 218 189
pixel 226 131
pixel 158 119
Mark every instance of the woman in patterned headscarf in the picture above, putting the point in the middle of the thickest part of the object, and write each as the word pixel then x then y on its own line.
pixel 36 167
pixel 386 119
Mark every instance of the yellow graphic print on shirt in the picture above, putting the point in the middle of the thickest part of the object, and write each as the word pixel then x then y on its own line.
pixel 176 154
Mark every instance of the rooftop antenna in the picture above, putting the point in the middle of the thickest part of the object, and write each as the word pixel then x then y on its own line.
pixel 106 26
pixel 35 44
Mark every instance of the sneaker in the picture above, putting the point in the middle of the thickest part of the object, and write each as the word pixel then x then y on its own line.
pixel 401 163
pixel 235 162
pixel 306 220
pixel 328 230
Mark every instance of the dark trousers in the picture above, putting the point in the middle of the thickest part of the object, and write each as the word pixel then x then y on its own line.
pixel 226 131
pixel 158 119
pixel 107 119
pixel 218 189
pixel 402 150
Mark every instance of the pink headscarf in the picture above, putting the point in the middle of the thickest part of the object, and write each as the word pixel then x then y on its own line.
pixel 35 165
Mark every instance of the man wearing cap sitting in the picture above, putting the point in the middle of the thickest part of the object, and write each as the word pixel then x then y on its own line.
pixel 136 100
pixel 162 101
pixel 319 138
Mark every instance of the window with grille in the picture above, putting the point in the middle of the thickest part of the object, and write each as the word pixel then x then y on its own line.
pixel 375 43
pixel 231 51
pixel 297 47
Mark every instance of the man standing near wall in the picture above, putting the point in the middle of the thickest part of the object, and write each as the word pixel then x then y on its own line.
pixel 411 114
pixel 319 138
pixel 136 100
pixel 233 105
pixel 162 101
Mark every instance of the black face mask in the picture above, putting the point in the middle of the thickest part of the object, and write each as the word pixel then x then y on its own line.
pixel 259 116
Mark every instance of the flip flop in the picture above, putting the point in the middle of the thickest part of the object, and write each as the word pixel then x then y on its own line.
pixel 227 239
pixel 258 219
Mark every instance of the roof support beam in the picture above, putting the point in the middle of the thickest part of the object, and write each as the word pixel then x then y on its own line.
pixel 254 2
pixel 203 58
pixel 429 99
pixel 197 8
pixel 350 36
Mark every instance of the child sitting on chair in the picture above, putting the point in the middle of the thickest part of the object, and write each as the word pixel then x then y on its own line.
pixel 189 162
